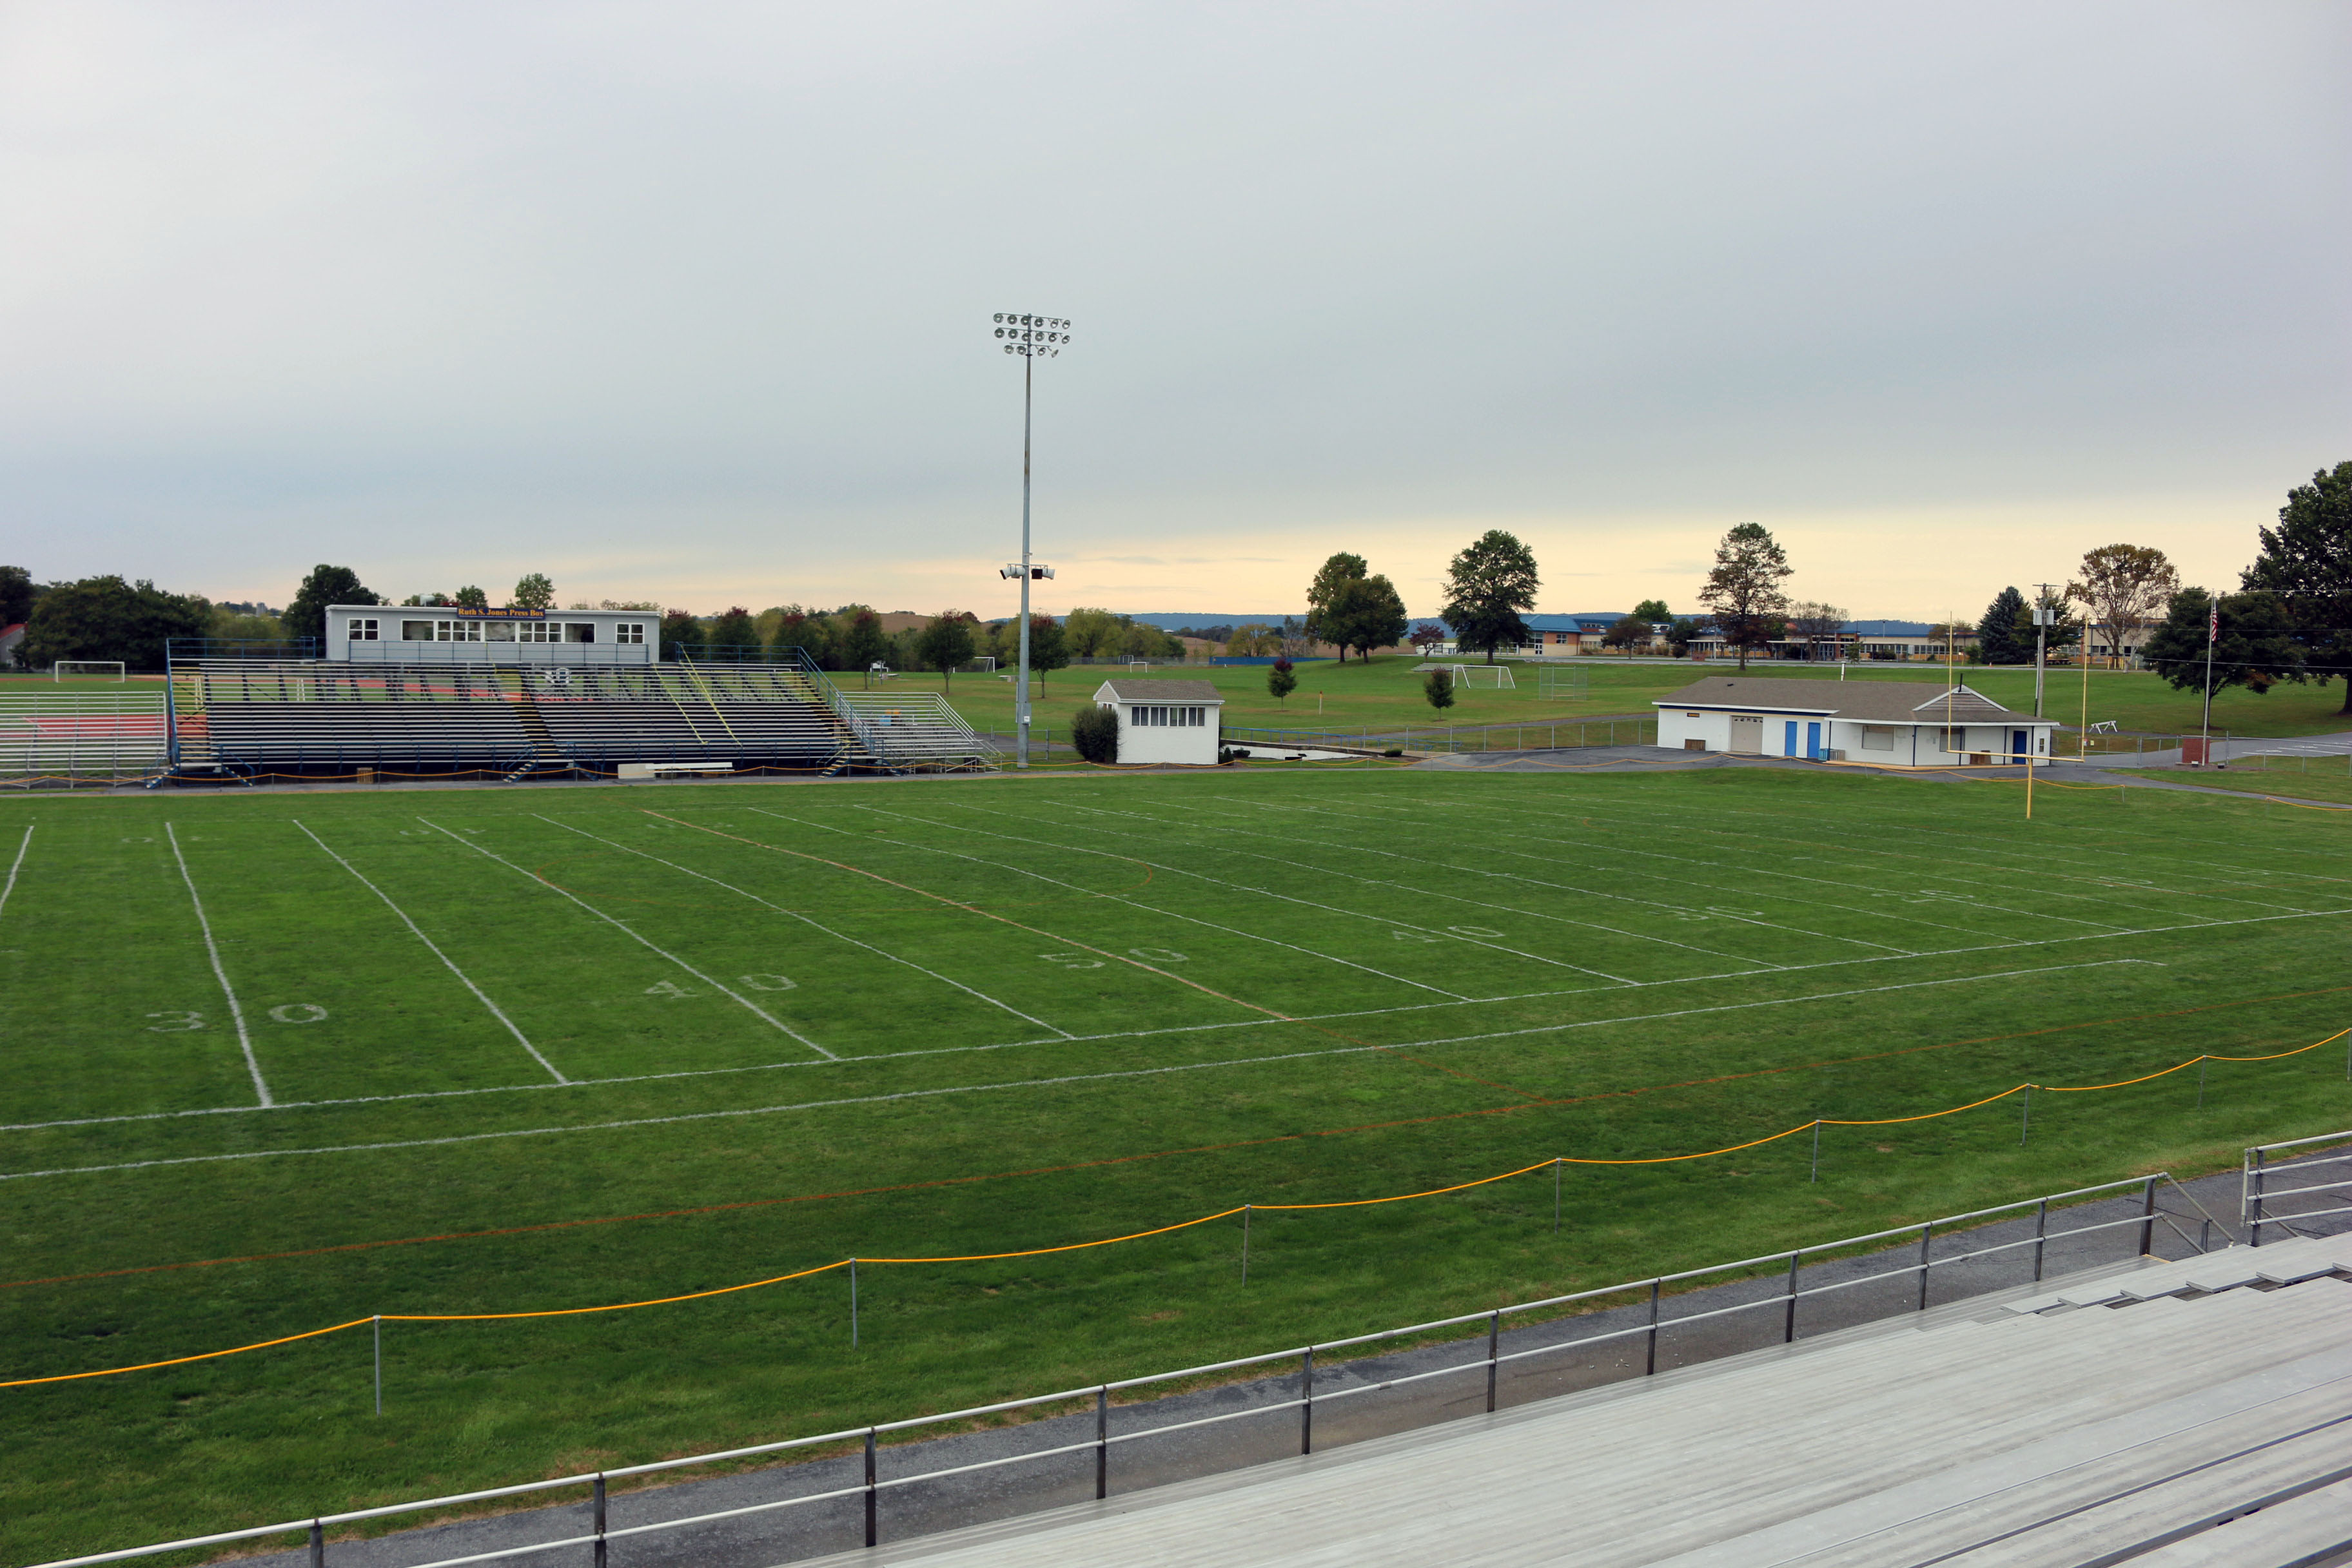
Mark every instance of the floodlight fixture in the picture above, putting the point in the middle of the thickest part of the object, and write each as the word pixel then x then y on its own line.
pixel 1032 337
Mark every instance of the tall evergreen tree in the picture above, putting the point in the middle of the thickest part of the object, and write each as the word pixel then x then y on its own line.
pixel 2307 561
pixel 1998 639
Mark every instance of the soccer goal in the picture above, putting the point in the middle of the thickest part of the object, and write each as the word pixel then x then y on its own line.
pixel 983 665
pixel 1570 682
pixel 1484 677
pixel 85 668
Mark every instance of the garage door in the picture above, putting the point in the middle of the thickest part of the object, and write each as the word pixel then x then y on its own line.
pixel 1748 734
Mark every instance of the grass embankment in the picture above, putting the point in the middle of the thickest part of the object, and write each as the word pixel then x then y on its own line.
pixel 620 1199
pixel 2325 780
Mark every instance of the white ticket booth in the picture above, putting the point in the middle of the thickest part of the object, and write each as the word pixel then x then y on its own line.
pixel 1165 721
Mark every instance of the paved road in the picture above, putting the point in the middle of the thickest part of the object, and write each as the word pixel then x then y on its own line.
pixel 1356 1400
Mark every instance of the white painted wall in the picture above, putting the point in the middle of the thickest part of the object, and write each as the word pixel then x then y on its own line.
pixel 1712 729
pixel 1185 745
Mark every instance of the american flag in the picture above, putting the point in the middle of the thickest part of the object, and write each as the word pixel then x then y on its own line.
pixel 2213 623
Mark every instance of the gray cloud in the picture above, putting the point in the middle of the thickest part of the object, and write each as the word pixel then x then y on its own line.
pixel 691 300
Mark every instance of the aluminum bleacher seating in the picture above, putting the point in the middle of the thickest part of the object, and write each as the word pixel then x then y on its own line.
pixel 2168 1415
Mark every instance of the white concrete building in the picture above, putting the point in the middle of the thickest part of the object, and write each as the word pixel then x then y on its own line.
pixel 451 633
pixel 1165 721
pixel 1913 722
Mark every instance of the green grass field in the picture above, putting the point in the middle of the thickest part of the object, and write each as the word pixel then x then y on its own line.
pixel 521 1049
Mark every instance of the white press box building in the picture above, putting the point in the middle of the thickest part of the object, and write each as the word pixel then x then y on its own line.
pixel 1165 721
pixel 1911 722
pixel 452 634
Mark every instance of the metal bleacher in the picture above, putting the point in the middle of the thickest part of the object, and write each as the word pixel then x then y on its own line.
pixel 2166 1415
pixel 313 717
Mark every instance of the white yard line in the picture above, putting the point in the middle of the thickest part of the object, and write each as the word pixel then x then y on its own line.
pixel 1763 965
pixel 1026 1083
pixel 479 995
pixel 1136 903
pixel 753 1008
pixel 814 925
pixel 14 865
pixel 211 950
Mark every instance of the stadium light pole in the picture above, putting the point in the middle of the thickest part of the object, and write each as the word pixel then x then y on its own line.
pixel 1032 337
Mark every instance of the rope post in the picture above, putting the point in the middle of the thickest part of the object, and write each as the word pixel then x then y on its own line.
pixel 853 1312
pixel 1246 1220
pixel 1102 1442
pixel 2200 1081
pixel 1817 1151
pixel 2025 1122
pixel 2147 1218
pixel 318 1544
pixel 1788 1329
pixel 873 1492
pixel 1494 1344
pixel 599 1503
pixel 379 1363
pixel 1307 1400
pixel 2041 1235
pixel 1925 1232
pixel 1655 1286
pixel 1555 1194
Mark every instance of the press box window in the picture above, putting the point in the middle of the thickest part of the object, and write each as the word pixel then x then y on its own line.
pixel 363 631
pixel 629 632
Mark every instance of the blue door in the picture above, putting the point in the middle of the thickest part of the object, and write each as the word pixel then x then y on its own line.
pixel 1813 741
pixel 2018 744
pixel 1789 739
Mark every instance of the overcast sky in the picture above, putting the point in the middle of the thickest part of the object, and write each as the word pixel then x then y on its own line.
pixel 692 301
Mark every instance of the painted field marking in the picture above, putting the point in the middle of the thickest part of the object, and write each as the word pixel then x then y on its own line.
pixel 814 925
pixel 1303 1019
pixel 14 865
pixel 211 951
pixel 974 909
pixel 1683 911
pixel 434 949
pixel 1016 1083
pixel 1387 921
pixel 1761 965
pixel 751 1007
pixel 1135 903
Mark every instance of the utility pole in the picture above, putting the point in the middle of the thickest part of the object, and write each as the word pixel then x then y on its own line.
pixel 2046 616
pixel 2212 635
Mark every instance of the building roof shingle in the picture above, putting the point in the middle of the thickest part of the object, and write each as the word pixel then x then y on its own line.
pixel 1869 701
pixel 1159 691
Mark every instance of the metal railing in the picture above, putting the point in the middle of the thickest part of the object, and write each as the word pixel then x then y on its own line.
pixel 2256 1195
pixel 1648 1333
pixel 67 735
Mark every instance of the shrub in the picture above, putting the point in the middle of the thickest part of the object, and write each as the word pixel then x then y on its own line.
pixel 1095 733
pixel 1439 686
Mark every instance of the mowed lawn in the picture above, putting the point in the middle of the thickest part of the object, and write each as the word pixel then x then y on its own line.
pixel 277 1062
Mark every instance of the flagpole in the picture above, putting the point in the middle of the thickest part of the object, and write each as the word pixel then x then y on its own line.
pixel 2212 635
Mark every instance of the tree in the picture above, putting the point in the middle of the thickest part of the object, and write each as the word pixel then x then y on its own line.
pixel 946 642
pixel 1329 578
pixel 2257 649
pixel 1486 588
pixel 863 641
pixel 1997 635
pixel 2122 586
pixel 1438 687
pixel 681 634
pixel 1743 590
pixel 1653 611
pixel 16 595
pixel 797 628
pixel 106 617
pixel 1049 646
pixel 1255 640
pixel 1816 622
pixel 1629 631
pixel 1281 680
pixel 534 592
pixel 1089 632
pixel 473 598
pixel 1365 612
pixel 733 631
pixel 1424 636
pixel 306 616
pixel 2307 561
pixel 1684 629
pixel 1094 731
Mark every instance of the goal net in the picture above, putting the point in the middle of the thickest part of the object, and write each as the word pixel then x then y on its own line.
pixel 1570 682
pixel 1484 677
pixel 88 669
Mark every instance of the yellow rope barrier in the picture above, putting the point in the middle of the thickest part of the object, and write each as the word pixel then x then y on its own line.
pixel 1181 1225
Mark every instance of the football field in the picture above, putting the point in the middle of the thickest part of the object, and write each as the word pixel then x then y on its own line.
pixel 280 1061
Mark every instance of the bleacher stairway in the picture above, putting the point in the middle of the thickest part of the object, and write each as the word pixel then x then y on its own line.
pixel 2167 1415
pixel 252 716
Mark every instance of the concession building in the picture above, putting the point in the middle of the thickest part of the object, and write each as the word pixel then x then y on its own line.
pixel 1165 721
pixel 1915 723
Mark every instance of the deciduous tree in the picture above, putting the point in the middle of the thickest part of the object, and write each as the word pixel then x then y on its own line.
pixel 1486 587
pixel 2307 561
pixel 733 631
pixel 534 592
pixel 16 595
pixel 106 617
pixel 1281 680
pixel 1427 634
pixel 2122 586
pixel 2257 647
pixel 1365 612
pixel 1743 590
pixel 681 634
pixel 1629 631
pixel 473 598
pixel 306 616
pixel 1090 632
pixel 1653 611
pixel 1329 578
pixel 863 640
pixel 946 642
